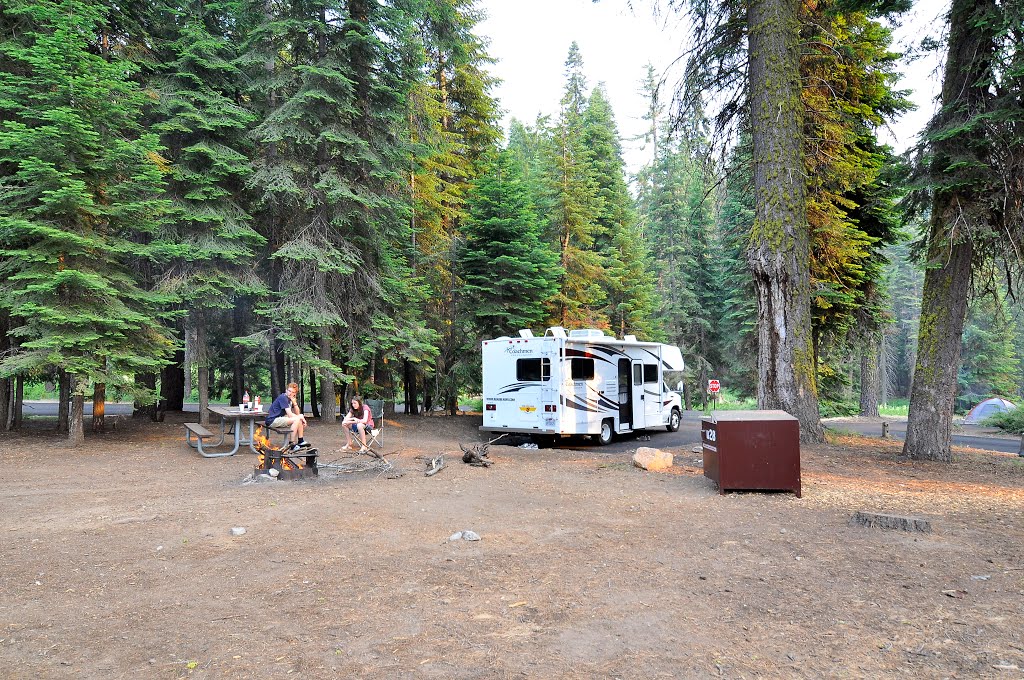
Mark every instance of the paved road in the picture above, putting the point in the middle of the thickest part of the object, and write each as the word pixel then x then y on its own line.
pixel 687 436
pixel 49 408
pixel 969 437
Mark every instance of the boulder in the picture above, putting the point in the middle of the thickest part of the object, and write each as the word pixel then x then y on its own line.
pixel 652 459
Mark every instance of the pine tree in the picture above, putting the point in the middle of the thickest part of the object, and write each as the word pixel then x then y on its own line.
pixel 576 203
pixel 507 269
pixel 453 123
pixel 203 131
pixel 628 290
pixel 80 185
pixel 990 365
pixel 331 93
pixel 975 162
pixel 677 201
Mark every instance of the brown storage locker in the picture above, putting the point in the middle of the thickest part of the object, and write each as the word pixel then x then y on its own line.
pixel 752 450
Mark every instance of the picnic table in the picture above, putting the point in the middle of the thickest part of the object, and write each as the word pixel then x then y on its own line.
pixel 231 420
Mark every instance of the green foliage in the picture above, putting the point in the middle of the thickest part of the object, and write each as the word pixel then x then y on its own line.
pixel 849 75
pixel 838 409
pixel 989 363
pixel 738 302
pixel 628 288
pixel 1008 421
pixel 577 204
pixel 508 271
pixel 453 129
pixel 202 129
pixel 81 183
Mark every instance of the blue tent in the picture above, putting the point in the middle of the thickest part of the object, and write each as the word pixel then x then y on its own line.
pixel 987 408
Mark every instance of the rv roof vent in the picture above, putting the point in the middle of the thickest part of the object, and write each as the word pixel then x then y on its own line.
pixel 555 332
pixel 586 333
pixel 526 333
pixel 629 338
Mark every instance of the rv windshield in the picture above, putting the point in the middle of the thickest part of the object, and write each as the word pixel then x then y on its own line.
pixel 674 380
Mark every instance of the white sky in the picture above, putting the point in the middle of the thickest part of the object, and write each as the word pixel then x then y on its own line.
pixel 531 39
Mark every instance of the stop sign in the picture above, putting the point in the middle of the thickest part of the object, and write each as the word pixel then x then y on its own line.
pixel 714 386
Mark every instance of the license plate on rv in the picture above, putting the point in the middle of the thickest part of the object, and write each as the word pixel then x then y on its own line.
pixel 527 409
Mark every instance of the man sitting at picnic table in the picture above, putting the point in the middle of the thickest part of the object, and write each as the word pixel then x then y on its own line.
pixel 285 412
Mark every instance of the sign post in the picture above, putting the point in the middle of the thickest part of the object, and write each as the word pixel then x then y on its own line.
pixel 713 388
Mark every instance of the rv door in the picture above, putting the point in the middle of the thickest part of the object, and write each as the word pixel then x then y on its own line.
pixel 652 395
pixel 638 396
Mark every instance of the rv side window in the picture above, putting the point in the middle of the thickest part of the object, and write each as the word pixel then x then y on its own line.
pixel 582 369
pixel 638 374
pixel 650 373
pixel 533 370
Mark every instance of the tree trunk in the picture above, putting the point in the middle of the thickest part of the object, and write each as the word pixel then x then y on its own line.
pixel 411 393
pixel 63 399
pixel 933 392
pixel 76 417
pixel 883 367
pixel 189 360
pixel 6 387
pixel 202 360
pixel 99 408
pixel 278 380
pixel 18 415
pixel 6 402
pixel 172 384
pixel 869 361
pixel 702 384
pixel 314 403
pixel 947 278
pixel 779 250
pixel 238 379
pixel 328 399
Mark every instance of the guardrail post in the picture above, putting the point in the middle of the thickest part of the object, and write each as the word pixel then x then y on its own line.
pixel 885 430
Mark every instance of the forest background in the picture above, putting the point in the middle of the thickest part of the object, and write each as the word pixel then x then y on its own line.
pixel 206 198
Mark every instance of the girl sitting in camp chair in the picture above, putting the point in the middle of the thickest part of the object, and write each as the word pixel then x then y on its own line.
pixel 358 421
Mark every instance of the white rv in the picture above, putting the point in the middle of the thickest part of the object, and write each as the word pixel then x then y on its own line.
pixel 581 382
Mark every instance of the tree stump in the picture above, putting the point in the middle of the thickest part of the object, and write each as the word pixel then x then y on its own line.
pixel 880 521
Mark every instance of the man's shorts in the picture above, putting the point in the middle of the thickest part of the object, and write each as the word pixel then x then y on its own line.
pixel 280 421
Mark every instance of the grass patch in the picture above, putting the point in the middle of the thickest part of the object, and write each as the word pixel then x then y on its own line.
pixel 896 407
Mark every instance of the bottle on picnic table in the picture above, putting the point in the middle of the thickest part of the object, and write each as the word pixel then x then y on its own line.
pixel 245 401
pixel 257 403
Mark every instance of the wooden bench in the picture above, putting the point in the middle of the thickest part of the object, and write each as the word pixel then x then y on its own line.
pixel 285 432
pixel 199 432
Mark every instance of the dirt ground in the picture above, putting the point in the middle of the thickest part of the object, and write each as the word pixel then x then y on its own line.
pixel 118 561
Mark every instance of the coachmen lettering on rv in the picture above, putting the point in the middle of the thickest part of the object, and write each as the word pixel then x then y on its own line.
pixel 580 383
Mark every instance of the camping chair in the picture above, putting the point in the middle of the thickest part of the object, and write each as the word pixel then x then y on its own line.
pixel 375 437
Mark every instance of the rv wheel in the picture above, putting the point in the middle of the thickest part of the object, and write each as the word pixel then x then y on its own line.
pixel 673 421
pixel 607 434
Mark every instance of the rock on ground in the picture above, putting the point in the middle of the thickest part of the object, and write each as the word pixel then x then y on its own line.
pixel 652 459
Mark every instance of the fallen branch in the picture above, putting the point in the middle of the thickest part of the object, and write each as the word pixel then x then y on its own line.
pixel 434 466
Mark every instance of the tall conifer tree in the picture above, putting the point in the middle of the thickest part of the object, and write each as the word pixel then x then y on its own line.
pixel 628 288
pixel 80 185
pixel 508 269
pixel 577 204
pixel 203 130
